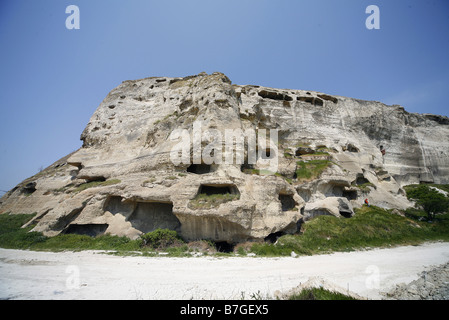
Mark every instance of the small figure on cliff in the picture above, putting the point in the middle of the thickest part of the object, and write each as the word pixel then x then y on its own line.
pixel 367 202
pixel 382 150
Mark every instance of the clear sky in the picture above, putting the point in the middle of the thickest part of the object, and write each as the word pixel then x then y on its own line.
pixel 52 79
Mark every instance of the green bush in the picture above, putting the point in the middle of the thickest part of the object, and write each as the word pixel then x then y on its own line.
pixel 430 200
pixel 161 239
pixel 12 236
pixel 84 242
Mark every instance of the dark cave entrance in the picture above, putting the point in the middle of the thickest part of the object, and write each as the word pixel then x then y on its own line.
pixel 90 229
pixel 273 237
pixel 218 189
pixel 149 216
pixel 223 246
pixel 346 214
pixel 145 216
pixel 199 168
pixel 287 202
pixel 350 194
pixel 361 179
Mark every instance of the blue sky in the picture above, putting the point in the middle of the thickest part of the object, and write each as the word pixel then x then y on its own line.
pixel 52 79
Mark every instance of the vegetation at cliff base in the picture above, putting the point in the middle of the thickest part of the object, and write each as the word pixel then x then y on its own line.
pixel 161 239
pixel 370 227
pixel 12 236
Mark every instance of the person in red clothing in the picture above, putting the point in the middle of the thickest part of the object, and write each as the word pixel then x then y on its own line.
pixel 367 202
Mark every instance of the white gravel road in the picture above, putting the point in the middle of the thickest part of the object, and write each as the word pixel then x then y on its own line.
pixel 94 275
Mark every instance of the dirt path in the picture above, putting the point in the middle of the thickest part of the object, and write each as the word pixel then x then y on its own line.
pixel 92 275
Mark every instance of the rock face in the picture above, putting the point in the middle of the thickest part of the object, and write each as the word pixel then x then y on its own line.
pixel 140 169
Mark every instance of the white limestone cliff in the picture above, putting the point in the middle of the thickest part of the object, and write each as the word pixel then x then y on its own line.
pixel 122 180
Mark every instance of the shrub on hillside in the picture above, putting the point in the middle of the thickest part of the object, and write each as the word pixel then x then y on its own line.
pixel 429 199
pixel 161 239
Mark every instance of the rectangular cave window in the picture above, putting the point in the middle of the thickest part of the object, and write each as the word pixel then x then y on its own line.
pixel 199 168
pixel 217 189
pixel 145 216
pixel 212 196
pixel 274 95
pixel 92 230
pixel 149 216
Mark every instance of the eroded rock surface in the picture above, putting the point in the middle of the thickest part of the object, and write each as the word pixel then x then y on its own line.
pixel 329 155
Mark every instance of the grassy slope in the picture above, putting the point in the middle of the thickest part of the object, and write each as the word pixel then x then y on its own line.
pixel 370 227
pixel 12 236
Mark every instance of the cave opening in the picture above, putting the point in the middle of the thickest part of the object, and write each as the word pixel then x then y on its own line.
pixel 273 237
pixel 90 229
pixel 287 202
pixel 145 216
pixel 93 178
pixel 29 188
pixel 349 194
pixel 199 168
pixel 217 189
pixel 224 246
pixel 274 95
pixel 361 179
pixel 345 214
pixel 149 216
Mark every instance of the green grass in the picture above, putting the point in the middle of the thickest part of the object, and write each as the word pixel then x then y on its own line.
pixel 365 187
pixel 370 227
pixel 319 294
pixel 204 201
pixel 308 170
pixel 12 236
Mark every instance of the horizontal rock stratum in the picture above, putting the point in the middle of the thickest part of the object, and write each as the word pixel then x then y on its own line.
pixel 156 154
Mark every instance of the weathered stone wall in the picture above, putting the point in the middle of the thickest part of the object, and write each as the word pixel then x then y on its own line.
pixel 123 181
